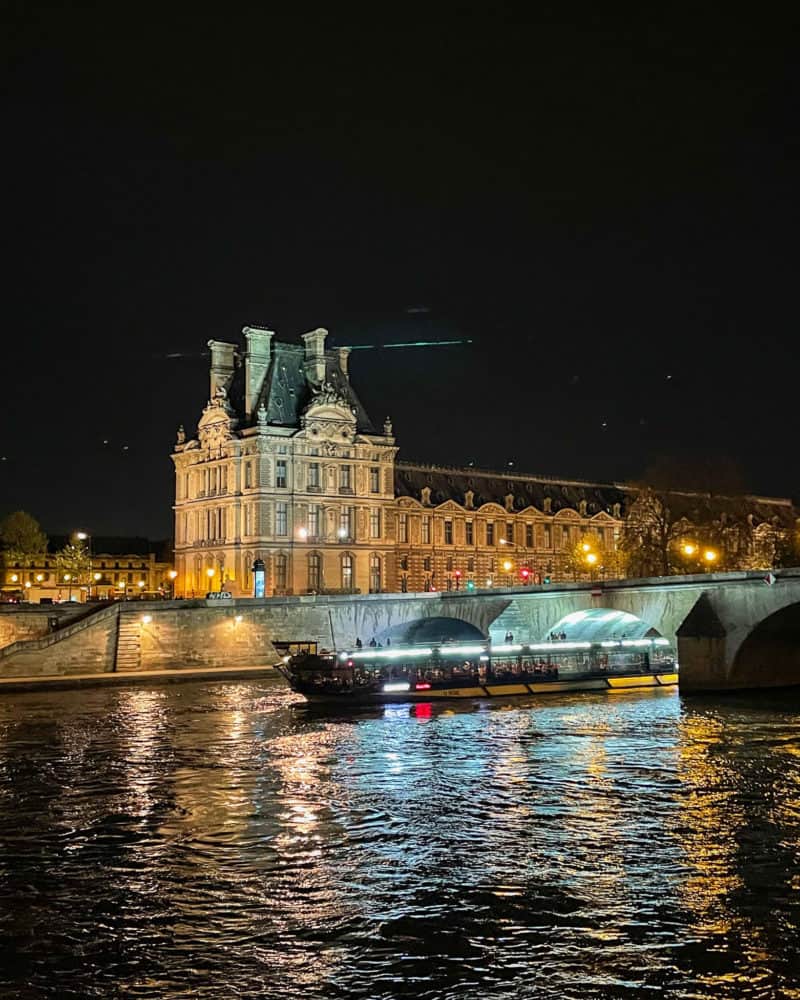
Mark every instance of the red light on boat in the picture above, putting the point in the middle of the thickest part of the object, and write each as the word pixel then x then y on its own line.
pixel 422 686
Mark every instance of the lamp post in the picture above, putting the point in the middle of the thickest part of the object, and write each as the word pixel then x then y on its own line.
pixel 173 575
pixel 96 577
pixel 210 574
pixel 68 579
pixel 83 536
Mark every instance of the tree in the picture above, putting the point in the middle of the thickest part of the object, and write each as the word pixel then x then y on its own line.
pixel 21 537
pixel 75 562
pixel 688 517
pixel 589 558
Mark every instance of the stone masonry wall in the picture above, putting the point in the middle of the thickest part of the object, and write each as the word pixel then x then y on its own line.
pixel 20 621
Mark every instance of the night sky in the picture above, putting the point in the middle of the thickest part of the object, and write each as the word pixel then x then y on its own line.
pixel 608 209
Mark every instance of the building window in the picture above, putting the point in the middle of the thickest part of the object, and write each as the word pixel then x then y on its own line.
pixel 404 563
pixel 248 519
pixel 426 530
pixel 528 536
pixel 280 572
pixel 470 533
pixel 564 536
pixel 448 532
pixel 470 565
pixel 449 564
pixel 402 528
pixel 281 519
pixel 313 520
pixel 347 572
pixel 509 531
pixel 313 476
pixel 314 566
pixel 375 523
pixel 345 478
pixel 375 574
pixel 374 480
pixel 490 533
pixel 346 523
pixel 426 564
pixel 548 536
pixel 280 473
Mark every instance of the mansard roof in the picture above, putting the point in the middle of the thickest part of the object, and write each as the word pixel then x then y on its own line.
pixel 287 391
pixel 493 487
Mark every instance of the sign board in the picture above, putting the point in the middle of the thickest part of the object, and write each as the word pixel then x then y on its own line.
pixel 219 595
pixel 770 578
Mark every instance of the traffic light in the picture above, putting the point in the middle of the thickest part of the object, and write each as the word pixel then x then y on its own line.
pixel 470 584
pixel 547 579
pixel 525 573
pixel 457 575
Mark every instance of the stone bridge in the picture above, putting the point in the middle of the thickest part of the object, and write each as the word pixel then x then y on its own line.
pixel 731 630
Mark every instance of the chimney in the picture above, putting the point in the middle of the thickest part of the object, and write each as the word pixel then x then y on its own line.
pixel 256 363
pixel 344 360
pixel 222 365
pixel 314 364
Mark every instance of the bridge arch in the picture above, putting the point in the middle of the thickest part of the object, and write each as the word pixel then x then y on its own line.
pixel 597 624
pixel 433 629
pixel 769 656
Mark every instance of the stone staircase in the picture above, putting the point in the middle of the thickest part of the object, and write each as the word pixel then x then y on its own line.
pixel 129 645
pixel 511 620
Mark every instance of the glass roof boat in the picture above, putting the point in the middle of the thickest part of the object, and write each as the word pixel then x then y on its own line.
pixel 476 669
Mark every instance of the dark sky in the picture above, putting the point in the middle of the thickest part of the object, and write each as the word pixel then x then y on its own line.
pixel 608 209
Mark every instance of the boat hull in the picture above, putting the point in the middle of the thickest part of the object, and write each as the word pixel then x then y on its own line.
pixel 606 684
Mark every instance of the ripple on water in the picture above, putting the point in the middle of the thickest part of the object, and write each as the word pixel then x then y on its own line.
pixel 213 840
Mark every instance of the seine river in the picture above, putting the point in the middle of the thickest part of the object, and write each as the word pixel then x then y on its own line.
pixel 221 841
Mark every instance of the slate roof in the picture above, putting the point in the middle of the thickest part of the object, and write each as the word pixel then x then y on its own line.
pixel 119 546
pixel 493 487
pixel 286 391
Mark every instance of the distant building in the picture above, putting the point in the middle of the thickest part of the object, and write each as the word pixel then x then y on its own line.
pixel 118 568
pixel 288 468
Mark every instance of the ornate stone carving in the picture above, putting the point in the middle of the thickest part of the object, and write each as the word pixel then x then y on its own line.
pixel 181 435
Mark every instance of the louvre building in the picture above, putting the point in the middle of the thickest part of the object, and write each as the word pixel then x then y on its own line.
pixel 287 467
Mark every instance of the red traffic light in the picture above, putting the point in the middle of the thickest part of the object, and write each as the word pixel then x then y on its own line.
pixel 458 572
pixel 524 573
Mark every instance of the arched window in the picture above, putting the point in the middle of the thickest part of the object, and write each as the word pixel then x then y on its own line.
pixel 347 571
pixel 374 574
pixel 314 571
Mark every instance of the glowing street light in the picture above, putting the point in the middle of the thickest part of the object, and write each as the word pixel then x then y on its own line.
pixel 302 533
pixel 586 547
pixel 688 548
pixel 710 555
pixel 591 558
pixel 14 578
pixel 508 565
pixel 39 577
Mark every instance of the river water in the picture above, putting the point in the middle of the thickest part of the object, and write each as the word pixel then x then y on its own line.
pixel 221 840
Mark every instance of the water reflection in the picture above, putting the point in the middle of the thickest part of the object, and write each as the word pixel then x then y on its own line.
pixel 219 840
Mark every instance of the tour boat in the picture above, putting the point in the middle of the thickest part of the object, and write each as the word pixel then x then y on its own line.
pixel 421 672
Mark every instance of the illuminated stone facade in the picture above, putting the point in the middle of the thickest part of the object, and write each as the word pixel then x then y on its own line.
pixel 287 467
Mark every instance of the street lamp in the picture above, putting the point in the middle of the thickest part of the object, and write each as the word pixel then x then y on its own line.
pixel 210 574
pixel 173 575
pixel 710 556
pixel 96 577
pixel 68 579
pixel 688 548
